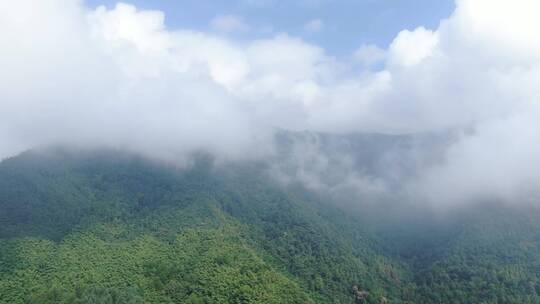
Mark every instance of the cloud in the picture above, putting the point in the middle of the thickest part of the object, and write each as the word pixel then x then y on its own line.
pixel 119 78
pixel 313 26
pixel 494 164
pixel 229 23
pixel 410 48
pixel 369 55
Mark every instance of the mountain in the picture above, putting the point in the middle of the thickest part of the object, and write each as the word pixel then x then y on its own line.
pixel 76 227
pixel 110 227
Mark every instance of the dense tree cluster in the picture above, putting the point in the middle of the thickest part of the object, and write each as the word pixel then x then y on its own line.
pixel 112 228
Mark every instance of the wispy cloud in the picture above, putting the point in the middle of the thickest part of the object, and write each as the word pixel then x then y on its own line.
pixel 229 23
pixel 369 54
pixel 315 25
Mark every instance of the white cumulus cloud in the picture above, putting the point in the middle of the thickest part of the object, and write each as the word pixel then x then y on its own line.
pixel 118 77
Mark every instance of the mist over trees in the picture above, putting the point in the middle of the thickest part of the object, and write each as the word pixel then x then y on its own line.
pixel 110 227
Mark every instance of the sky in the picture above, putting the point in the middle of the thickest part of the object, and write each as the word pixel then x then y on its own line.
pixel 339 26
pixel 152 81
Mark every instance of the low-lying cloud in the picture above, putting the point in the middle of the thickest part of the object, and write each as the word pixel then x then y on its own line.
pixel 119 78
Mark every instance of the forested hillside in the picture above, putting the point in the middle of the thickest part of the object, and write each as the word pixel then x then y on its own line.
pixel 108 227
pixel 115 226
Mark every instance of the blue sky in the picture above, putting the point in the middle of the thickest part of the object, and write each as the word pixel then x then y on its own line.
pixel 347 24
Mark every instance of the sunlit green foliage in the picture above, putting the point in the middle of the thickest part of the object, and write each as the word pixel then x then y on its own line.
pixel 111 228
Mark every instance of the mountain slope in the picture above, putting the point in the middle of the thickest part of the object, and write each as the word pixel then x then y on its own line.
pixel 74 226
pixel 108 227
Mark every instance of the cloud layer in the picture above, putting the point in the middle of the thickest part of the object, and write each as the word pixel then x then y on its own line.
pixel 119 78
